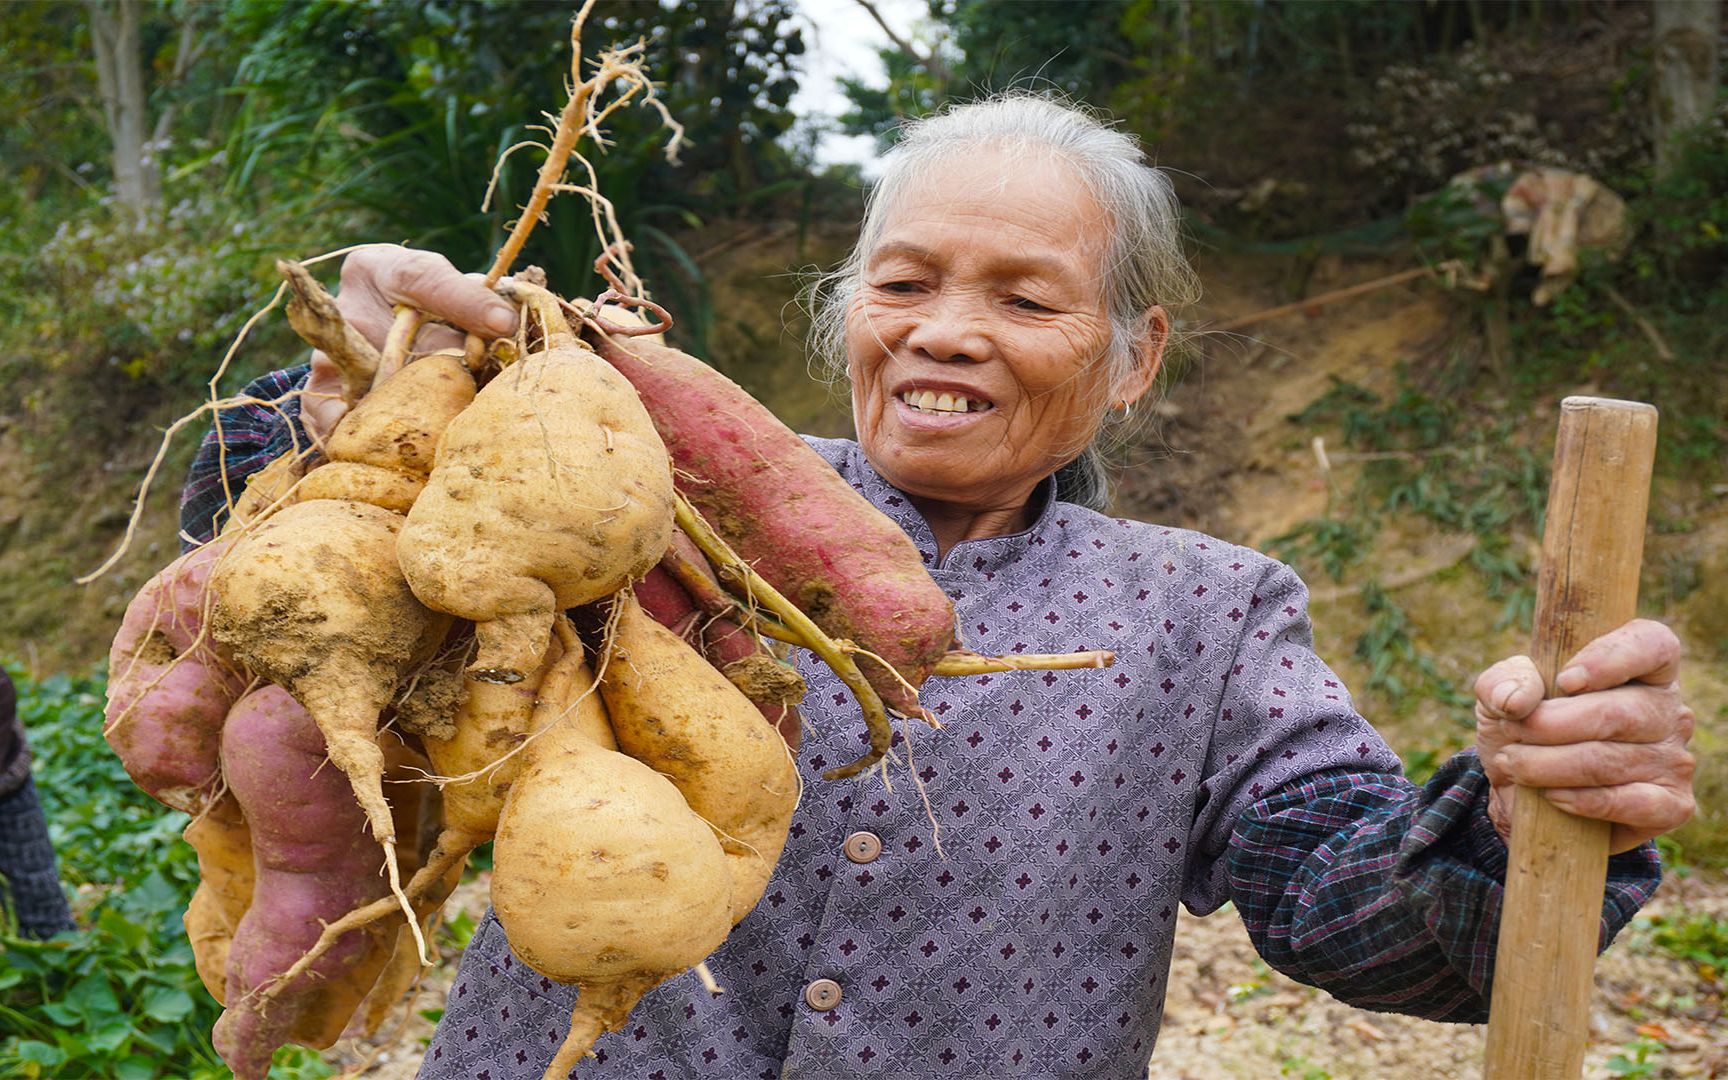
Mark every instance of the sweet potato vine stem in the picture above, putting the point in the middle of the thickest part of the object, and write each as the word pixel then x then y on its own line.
pixel 955 662
pixel 959 662
pixel 729 564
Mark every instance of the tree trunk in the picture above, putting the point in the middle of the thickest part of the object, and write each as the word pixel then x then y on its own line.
pixel 1686 71
pixel 120 77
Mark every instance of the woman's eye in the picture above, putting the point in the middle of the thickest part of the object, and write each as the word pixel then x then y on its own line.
pixel 898 286
pixel 1027 305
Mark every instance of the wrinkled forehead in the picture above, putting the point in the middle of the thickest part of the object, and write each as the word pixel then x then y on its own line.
pixel 983 180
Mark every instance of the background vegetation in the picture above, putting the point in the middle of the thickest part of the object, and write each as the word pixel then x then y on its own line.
pixel 1315 142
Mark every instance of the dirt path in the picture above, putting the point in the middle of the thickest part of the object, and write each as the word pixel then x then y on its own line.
pixel 1228 1015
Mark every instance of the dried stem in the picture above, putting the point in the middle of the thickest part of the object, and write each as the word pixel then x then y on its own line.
pixel 571 123
pixel 313 314
pixel 398 342
pixel 960 662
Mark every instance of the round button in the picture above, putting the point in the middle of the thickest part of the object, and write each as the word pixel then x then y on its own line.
pixel 822 995
pixel 863 847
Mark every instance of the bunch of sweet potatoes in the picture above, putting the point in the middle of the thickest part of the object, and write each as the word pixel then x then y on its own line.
pixel 397 609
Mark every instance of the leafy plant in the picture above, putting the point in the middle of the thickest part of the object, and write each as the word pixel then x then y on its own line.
pixel 1637 1058
pixel 1335 543
pixel 119 997
pixel 1695 937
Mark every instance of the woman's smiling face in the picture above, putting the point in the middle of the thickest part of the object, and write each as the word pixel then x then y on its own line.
pixel 976 342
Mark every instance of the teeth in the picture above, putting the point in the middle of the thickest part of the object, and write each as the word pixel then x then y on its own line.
pixel 930 401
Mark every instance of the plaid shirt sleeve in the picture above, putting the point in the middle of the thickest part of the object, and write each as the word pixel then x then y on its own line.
pixel 1388 895
pixel 244 439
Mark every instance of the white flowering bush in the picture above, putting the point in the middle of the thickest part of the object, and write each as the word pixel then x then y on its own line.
pixel 1426 123
pixel 154 297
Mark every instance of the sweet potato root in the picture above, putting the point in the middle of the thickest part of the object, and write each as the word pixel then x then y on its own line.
pixel 551 490
pixel 602 875
pixel 225 879
pixel 312 601
pixel 313 861
pixel 170 684
pixel 671 710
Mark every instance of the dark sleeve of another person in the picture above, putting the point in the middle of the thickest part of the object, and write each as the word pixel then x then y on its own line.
pixel 244 439
pixel 14 751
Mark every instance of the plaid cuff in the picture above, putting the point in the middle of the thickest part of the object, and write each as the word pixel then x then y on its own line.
pixel 249 437
pixel 1388 895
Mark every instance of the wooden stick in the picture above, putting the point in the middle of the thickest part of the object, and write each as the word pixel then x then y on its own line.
pixel 1538 1024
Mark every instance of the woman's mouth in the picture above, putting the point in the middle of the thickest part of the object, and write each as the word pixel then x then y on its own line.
pixel 942 404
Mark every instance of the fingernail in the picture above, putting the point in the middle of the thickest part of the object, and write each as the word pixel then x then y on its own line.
pixel 1572 679
pixel 1502 694
pixel 501 320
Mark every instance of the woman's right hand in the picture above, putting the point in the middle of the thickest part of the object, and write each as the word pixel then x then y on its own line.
pixel 377 277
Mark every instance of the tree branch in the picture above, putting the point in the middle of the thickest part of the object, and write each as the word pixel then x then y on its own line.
pixel 932 62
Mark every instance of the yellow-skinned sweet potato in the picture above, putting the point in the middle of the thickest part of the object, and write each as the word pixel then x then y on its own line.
pixel 311 601
pixel 671 710
pixel 602 874
pixel 551 490
pixel 225 877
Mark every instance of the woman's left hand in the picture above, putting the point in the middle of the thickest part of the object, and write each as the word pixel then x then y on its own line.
pixel 1612 748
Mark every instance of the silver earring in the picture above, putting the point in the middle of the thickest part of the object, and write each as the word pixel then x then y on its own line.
pixel 1127 409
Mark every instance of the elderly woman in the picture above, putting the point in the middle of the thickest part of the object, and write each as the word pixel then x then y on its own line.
pixel 1005 297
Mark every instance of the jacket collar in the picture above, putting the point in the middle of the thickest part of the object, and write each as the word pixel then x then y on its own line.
pixel 984 557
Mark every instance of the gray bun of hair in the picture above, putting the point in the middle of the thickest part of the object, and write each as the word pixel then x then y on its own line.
pixel 1144 268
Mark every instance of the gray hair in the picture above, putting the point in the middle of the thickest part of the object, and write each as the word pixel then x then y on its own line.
pixel 1144 265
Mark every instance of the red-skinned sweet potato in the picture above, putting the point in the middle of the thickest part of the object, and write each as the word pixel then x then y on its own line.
pixel 170 684
pixel 786 511
pixel 314 862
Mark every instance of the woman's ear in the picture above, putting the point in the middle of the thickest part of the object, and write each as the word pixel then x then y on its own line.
pixel 1149 344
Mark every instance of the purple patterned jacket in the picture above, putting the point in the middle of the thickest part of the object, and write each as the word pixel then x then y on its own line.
pixel 1219 759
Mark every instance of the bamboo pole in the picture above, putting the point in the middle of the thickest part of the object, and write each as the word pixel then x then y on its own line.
pixel 1538 1023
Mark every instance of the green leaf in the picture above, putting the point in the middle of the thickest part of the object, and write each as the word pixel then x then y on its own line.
pixel 93 997
pixel 135 1067
pixel 167 1004
pixel 60 1013
pixel 38 1053
pixel 129 934
pixel 111 1036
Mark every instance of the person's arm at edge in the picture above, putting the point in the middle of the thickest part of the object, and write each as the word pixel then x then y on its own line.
pixel 1388 895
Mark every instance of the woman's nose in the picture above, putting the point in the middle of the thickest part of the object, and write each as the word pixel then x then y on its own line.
pixel 951 328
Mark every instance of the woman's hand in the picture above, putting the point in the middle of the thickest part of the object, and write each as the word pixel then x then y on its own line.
pixel 377 277
pixel 1613 748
